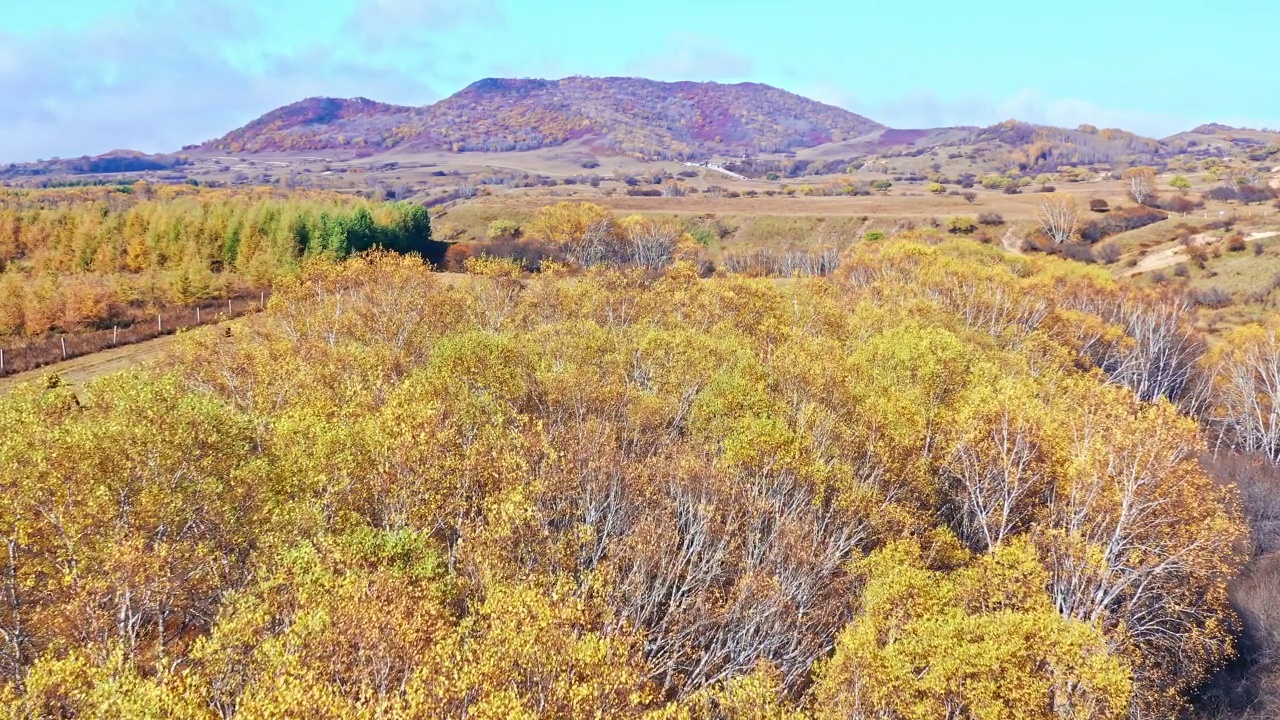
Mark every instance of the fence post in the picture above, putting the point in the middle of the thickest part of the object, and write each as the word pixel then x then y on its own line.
pixel 63 338
pixel 262 302
pixel 115 335
pixel 197 314
pixel 159 323
pixel 229 307
pixel 1 361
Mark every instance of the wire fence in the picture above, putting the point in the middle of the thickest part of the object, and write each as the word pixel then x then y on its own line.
pixel 21 355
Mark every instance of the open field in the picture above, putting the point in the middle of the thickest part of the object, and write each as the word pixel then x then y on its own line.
pixel 786 222
pixel 905 201
pixel 468 190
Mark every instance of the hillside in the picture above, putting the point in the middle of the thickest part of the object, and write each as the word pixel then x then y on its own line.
pixel 1010 145
pixel 521 133
pixel 116 161
pixel 1046 149
pixel 319 124
pixel 1216 139
pixel 645 118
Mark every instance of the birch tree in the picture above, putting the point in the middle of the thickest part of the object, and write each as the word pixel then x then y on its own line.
pixel 1059 217
pixel 1140 184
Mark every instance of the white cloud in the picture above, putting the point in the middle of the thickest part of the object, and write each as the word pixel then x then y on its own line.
pixel 916 109
pixel 170 73
pixel 1031 106
pixel 379 21
pixel 688 56
pixel 165 73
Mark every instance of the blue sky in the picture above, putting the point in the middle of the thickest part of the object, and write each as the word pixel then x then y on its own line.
pixel 85 76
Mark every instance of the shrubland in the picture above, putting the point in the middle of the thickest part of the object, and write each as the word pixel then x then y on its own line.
pixel 584 234
pixel 944 482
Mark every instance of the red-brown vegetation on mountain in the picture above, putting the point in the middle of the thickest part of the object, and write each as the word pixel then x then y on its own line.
pixel 634 116
pixel 319 124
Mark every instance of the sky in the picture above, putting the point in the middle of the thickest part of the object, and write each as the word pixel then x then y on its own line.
pixel 83 77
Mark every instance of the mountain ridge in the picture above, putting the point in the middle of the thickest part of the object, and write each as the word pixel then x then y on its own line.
pixel 649 120
pixel 634 116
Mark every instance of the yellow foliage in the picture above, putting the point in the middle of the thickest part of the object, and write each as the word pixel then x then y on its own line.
pixel 566 224
pixel 908 491
pixel 929 645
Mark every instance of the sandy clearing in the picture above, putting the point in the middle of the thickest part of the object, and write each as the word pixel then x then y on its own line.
pixel 1157 259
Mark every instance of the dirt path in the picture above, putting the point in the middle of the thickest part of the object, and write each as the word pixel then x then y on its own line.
pixel 1010 242
pixel 78 371
pixel 1171 254
pixel 1158 259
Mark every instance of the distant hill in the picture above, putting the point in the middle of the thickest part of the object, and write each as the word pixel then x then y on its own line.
pixel 114 162
pixel 887 139
pixel 645 118
pixel 757 129
pixel 654 120
pixel 1040 148
pixel 1035 149
pixel 1259 146
pixel 1213 129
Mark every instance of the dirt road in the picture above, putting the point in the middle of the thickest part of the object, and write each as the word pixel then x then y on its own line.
pixel 78 371
pixel 1171 254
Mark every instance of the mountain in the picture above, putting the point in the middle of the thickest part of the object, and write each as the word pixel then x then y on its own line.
pixel 644 118
pixel 318 124
pixel 757 128
pixel 1213 129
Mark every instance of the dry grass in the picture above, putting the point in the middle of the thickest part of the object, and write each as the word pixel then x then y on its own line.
pixel 80 370
pixel 883 208
pixel 1156 234
pixel 27 354
pixel 1241 272
pixel 794 232
pixel 1247 278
